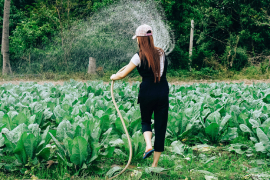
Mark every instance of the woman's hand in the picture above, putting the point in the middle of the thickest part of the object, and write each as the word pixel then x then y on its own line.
pixel 113 77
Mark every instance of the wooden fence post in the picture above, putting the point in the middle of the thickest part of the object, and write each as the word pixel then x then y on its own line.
pixel 92 66
pixel 191 43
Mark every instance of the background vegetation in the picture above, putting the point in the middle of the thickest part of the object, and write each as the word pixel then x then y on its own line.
pixel 231 36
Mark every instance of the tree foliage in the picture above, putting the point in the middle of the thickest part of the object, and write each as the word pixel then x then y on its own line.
pixel 228 33
pixel 228 28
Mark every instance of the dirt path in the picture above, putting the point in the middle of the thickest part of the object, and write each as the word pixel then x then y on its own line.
pixel 246 81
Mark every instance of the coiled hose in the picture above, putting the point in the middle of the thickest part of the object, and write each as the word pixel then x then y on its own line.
pixel 129 142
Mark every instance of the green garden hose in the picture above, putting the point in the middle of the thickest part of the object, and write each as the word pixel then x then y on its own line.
pixel 129 142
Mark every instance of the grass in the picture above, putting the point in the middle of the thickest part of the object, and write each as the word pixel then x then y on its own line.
pixel 252 72
pixel 216 162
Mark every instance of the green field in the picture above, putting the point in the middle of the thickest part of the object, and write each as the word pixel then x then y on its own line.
pixel 215 131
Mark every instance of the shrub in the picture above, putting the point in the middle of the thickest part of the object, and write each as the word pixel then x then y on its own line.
pixel 251 71
pixel 264 67
pixel 235 60
pixel 213 62
pixel 240 60
pixel 178 58
pixel 209 71
pixel 199 55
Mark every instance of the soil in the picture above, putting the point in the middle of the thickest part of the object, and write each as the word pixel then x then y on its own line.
pixel 61 82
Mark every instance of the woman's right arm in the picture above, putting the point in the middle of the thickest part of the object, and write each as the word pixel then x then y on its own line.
pixel 132 64
pixel 123 73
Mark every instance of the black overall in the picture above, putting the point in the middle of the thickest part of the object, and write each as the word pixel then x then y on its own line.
pixel 154 97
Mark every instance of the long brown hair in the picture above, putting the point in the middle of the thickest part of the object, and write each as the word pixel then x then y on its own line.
pixel 151 53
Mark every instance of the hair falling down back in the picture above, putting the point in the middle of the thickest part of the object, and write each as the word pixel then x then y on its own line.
pixel 152 54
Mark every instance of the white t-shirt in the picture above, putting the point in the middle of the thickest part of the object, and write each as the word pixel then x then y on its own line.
pixel 137 62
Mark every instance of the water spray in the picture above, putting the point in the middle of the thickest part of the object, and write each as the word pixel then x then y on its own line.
pixel 107 34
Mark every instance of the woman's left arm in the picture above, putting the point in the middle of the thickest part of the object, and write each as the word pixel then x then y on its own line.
pixel 123 73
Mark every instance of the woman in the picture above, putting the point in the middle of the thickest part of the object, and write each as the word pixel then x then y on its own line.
pixel 154 90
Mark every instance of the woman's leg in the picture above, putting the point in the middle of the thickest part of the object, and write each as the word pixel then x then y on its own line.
pixel 160 126
pixel 148 136
pixel 156 158
pixel 146 115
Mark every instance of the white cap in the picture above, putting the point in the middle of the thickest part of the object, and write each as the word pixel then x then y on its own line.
pixel 142 31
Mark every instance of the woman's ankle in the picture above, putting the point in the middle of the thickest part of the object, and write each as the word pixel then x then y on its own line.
pixel 148 148
pixel 154 165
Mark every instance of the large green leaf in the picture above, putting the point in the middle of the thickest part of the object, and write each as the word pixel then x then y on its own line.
pixel 126 144
pixel 266 99
pixel 243 118
pixel 255 124
pixel 20 149
pixel 266 127
pixel 45 138
pixel 244 128
pixel 260 147
pixel 7 121
pixel 68 143
pixel 175 126
pixel 111 172
pixel 59 146
pixel 213 118
pixel 44 153
pixel 47 113
pixel 224 122
pixel 212 132
pixel 230 134
pixel 119 125
pixel 79 131
pixel 104 123
pixel 39 118
pixel 135 126
pixel 138 143
pixel 262 137
pixel 93 130
pixel 30 144
pixel 108 152
pixel 148 170
pixel 178 147
pixel 79 151
pixel 9 145
pixel 95 147
pixel 64 128
pixel 20 118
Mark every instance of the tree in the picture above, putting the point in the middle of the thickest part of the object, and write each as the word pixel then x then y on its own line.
pixel 5 39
